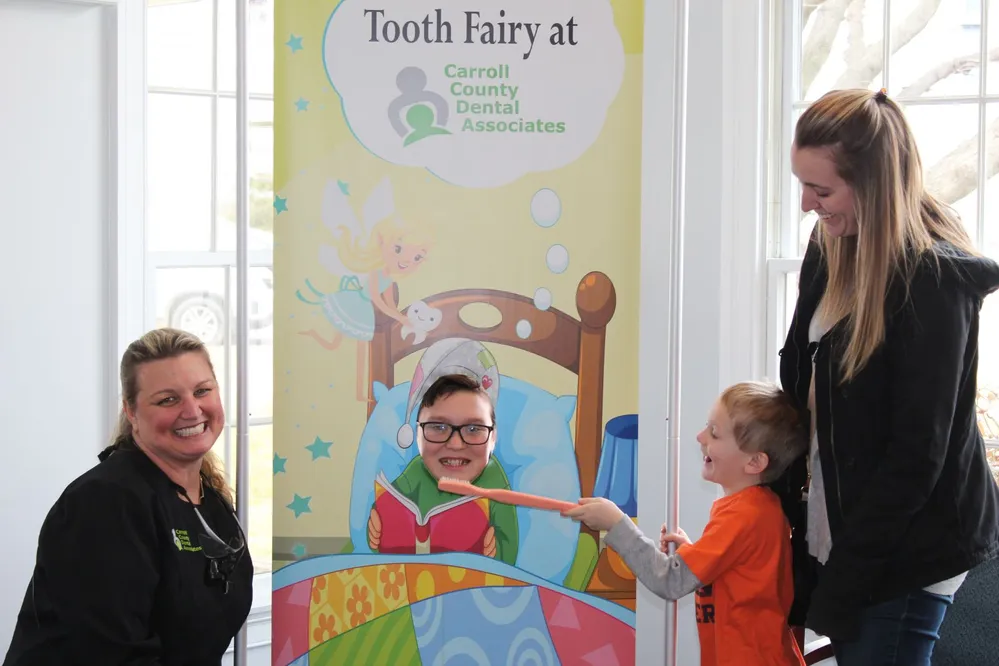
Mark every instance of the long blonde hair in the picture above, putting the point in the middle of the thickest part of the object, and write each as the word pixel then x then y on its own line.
pixel 156 345
pixel 363 255
pixel 897 219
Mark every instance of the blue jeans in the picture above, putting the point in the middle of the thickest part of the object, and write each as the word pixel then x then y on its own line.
pixel 901 632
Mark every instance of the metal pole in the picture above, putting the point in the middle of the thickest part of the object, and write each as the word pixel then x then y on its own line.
pixel 242 313
pixel 675 307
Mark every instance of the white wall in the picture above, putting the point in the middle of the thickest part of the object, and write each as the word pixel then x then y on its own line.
pixel 723 305
pixel 54 276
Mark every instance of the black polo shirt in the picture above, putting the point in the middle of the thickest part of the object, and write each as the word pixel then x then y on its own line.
pixel 121 578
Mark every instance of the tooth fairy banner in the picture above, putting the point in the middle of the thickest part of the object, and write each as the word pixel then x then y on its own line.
pixel 456 190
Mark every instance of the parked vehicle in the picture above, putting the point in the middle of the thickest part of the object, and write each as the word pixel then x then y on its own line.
pixel 193 299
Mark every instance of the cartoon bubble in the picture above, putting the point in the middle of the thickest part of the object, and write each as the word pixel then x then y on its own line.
pixel 523 329
pixel 542 298
pixel 546 127
pixel 546 208
pixel 557 258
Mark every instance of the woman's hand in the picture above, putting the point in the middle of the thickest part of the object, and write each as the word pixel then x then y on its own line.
pixel 597 513
pixel 666 538
pixel 374 530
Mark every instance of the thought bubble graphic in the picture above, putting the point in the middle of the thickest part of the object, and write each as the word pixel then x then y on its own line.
pixel 476 94
pixel 546 208
pixel 557 259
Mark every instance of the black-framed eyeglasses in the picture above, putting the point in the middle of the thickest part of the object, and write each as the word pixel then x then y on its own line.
pixel 473 434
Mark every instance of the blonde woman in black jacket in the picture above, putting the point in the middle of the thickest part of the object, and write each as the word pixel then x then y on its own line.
pixel 142 561
pixel 894 503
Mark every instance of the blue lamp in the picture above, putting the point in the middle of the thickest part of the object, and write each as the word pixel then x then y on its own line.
pixel 617 475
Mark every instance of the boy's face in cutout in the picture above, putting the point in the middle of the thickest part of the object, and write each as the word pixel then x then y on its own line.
pixel 724 462
pixel 454 458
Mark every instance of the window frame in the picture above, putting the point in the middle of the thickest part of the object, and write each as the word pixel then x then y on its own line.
pixel 783 257
pixel 258 623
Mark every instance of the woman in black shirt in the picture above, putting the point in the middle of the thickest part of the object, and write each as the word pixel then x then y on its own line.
pixel 142 560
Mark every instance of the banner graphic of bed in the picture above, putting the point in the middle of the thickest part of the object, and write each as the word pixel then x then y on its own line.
pixel 456 185
pixel 440 609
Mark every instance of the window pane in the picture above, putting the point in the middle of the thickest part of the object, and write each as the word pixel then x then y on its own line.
pixel 260 166
pixel 260 352
pixel 990 241
pixel 992 67
pixel 947 137
pixel 841 46
pixel 260 46
pixel 179 163
pixel 179 43
pixel 936 53
pixel 193 300
pixel 258 530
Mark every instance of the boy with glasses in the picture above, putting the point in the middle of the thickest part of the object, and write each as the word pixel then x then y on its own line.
pixel 456 434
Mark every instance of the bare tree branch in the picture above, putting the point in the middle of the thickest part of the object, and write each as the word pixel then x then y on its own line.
pixel 815 51
pixel 855 36
pixel 961 65
pixel 807 7
pixel 860 73
pixel 955 176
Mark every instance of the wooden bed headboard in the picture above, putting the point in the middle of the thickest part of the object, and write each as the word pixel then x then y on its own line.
pixel 577 345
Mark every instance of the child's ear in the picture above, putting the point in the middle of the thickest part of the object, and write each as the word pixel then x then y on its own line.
pixel 381 241
pixel 757 463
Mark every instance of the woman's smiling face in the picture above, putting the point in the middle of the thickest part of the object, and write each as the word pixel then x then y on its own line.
pixel 178 414
pixel 823 191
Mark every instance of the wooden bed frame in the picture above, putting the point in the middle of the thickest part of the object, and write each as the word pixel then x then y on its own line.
pixel 578 345
pixel 575 344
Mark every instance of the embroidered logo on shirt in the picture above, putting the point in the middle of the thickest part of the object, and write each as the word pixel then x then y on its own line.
pixel 182 540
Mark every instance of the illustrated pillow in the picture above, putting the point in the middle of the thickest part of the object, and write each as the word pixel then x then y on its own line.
pixel 534 446
pixel 377 452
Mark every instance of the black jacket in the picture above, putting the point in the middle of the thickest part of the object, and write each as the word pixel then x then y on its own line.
pixel 120 579
pixel 909 494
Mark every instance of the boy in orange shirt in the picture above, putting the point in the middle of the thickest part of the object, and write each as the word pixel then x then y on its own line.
pixel 740 568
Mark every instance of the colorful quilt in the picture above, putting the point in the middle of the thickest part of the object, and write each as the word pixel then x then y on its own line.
pixel 448 609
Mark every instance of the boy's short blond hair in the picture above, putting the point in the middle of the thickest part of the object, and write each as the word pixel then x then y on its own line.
pixel 765 420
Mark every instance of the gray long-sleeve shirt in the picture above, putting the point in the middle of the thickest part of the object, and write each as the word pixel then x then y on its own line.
pixel 667 576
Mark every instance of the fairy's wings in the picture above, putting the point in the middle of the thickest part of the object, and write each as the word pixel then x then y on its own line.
pixel 329 257
pixel 379 205
pixel 337 212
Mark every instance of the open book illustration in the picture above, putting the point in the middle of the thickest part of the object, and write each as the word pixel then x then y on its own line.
pixel 459 525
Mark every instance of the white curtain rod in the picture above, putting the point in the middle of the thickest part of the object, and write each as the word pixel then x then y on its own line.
pixel 675 303
pixel 242 313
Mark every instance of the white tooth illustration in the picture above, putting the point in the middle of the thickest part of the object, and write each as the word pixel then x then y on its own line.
pixel 422 320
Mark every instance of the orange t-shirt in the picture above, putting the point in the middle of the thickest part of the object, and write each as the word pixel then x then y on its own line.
pixel 743 561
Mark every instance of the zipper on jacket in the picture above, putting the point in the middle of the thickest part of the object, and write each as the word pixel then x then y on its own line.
pixel 832 438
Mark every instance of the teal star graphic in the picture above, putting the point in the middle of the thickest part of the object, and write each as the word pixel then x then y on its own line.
pixel 344 187
pixel 294 43
pixel 280 205
pixel 319 449
pixel 298 550
pixel 279 464
pixel 300 505
pixel 302 104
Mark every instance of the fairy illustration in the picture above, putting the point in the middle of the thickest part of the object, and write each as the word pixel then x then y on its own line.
pixel 369 255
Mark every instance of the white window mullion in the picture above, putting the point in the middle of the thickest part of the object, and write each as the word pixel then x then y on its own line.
pixel 790 92
pixel 886 43
pixel 982 124
pixel 207 259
